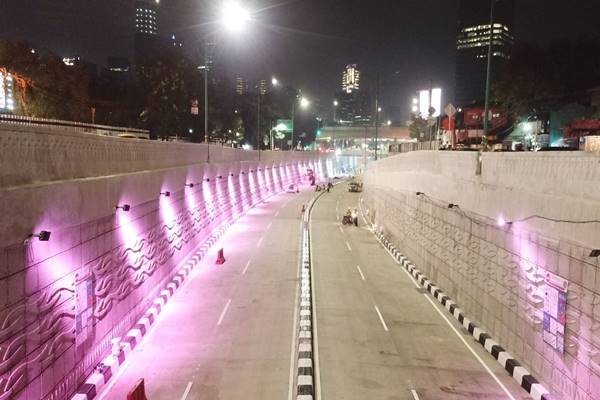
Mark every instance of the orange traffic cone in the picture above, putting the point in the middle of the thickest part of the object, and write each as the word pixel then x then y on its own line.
pixel 220 257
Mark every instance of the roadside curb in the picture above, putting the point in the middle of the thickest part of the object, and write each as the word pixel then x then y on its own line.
pixel 305 381
pixel 110 366
pixel 510 364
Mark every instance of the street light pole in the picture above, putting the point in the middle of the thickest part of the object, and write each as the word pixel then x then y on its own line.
pixel 486 122
pixel 206 138
pixel 258 123
pixel 376 115
pixel 293 120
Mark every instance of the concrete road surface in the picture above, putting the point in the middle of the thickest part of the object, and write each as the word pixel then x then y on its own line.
pixel 228 333
pixel 379 337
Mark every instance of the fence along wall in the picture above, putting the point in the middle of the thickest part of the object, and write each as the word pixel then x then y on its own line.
pixel 125 255
pixel 496 274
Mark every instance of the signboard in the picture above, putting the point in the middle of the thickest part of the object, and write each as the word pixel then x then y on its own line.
pixel 555 311
pixel 195 107
pixel 450 110
pixel 84 300
pixel 284 126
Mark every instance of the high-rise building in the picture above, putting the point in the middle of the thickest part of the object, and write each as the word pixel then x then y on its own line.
pixel 354 106
pixel 350 79
pixel 146 30
pixel 472 43
pixel 241 86
pixel 7 99
pixel 118 64
pixel 263 87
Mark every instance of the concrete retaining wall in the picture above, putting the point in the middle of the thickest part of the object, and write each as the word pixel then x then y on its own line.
pixel 123 256
pixel 496 274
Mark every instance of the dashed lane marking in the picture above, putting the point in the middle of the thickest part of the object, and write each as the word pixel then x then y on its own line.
pixel 360 272
pixel 381 319
pixel 224 312
pixel 187 391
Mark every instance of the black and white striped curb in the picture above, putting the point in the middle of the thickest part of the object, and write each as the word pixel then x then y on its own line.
pixel 123 347
pixel 305 382
pixel 519 373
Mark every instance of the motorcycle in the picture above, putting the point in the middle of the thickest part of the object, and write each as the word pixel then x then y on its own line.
pixel 347 220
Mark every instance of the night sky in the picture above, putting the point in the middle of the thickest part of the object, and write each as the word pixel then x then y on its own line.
pixel 306 43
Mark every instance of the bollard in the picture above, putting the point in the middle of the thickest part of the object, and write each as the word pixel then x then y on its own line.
pixel 220 257
pixel 138 392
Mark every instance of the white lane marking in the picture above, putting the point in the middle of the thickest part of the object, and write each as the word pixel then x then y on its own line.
pixel 360 272
pixel 341 230
pixel 317 366
pixel 415 394
pixel 348 246
pixel 187 391
pixel 489 371
pixel 246 267
pixel 381 318
pixel 269 226
pixel 260 241
pixel 276 214
pixel 224 312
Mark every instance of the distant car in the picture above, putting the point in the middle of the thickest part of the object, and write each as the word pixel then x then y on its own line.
pixel 355 187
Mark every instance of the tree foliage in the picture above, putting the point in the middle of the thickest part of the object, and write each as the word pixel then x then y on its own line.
pixel 51 89
pixel 418 128
pixel 538 79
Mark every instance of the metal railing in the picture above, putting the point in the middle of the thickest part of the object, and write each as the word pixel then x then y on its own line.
pixel 414 146
pixel 103 130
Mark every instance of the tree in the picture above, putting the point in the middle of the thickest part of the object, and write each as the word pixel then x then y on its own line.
pixel 46 87
pixel 166 80
pixel 539 79
pixel 418 127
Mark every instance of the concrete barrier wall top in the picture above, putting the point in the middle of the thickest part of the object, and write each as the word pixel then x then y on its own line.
pixel 560 186
pixel 35 154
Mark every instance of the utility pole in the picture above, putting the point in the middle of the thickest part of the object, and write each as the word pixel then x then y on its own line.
pixel 258 123
pixel 376 115
pixel 486 122
pixel 293 120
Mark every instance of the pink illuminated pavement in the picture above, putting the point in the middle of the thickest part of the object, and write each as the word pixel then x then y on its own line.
pixel 227 334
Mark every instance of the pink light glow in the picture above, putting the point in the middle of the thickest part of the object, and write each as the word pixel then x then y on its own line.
pixel 501 221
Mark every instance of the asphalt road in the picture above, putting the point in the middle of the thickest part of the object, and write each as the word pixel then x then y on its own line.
pixel 379 337
pixel 228 333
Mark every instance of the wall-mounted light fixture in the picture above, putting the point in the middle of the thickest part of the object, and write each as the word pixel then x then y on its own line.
pixel 230 174
pixel 243 172
pixel 190 185
pixel 43 236
pixel 451 205
pixel 166 193
pixel 595 253
pixel 420 193
pixel 220 177
pixel 124 207
pixel 501 222
pixel 251 170
pixel 207 179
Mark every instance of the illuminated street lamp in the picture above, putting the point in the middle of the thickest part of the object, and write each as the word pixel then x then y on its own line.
pixel 274 81
pixel 234 17
pixel 304 104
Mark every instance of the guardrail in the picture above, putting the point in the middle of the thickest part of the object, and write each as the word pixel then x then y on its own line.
pixel 415 146
pixel 103 130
